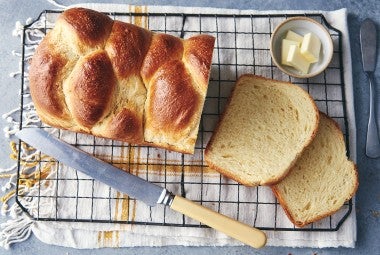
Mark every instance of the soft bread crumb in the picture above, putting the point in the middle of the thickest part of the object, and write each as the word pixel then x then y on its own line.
pixel 321 180
pixel 264 129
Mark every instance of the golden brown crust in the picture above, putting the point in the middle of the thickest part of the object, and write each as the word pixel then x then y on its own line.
pixel 127 126
pixel 92 74
pixel 91 27
pixel 45 70
pixel 172 86
pixel 198 56
pixel 164 48
pixel 92 84
pixel 127 47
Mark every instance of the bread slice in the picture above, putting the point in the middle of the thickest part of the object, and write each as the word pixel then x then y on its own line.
pixel 321 180
pixel 264 129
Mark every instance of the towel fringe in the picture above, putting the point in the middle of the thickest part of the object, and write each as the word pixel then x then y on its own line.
pixel 15 231
pixel 19 227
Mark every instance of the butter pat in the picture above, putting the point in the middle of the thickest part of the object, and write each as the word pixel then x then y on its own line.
pixel 310 47
pixel 285 50
pixel 290 35
pixel 297 60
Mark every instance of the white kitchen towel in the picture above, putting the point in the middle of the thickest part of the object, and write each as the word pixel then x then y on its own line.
pixel 55 191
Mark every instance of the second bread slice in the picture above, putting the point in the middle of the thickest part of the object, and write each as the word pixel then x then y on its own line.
pixel 321 180
pixel 264 129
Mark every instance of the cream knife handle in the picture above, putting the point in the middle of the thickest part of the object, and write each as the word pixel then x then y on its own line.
pixel 240 231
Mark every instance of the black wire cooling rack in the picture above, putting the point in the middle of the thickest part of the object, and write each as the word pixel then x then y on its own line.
pixel 242 46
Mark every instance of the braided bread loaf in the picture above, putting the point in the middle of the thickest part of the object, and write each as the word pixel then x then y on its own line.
pixel 115 80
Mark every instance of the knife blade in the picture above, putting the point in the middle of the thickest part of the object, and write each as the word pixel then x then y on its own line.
pixel 368 43
pixel 137 187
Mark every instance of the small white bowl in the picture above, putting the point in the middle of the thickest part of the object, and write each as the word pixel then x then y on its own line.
pixel 302 26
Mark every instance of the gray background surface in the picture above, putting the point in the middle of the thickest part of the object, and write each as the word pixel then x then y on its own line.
pixel 368 195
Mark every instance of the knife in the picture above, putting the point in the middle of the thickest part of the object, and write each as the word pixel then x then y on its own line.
pixel 368 45
pixel 137 187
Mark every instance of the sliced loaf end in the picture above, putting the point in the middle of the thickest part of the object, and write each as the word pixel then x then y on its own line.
pixel 321 180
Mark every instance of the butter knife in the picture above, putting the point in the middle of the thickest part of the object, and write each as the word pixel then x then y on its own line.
pixel 368 45
pixel 138 188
